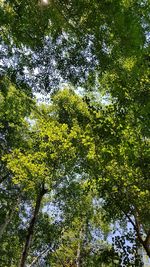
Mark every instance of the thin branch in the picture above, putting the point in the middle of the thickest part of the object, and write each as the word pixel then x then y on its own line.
pixel 39 256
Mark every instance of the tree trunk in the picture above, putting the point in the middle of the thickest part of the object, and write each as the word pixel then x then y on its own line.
pixel 7 221
pixel 31 227
pixel 138 227
pixel 8 218
pixel 78 258
pixel 146 244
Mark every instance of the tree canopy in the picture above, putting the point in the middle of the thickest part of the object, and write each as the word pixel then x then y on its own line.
pixel 76 169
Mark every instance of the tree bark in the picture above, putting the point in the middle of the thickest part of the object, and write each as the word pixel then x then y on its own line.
pixel 137 227
pixel 31 227
pixel 147 243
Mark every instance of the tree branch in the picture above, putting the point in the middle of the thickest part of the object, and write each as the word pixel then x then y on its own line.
pixel 39 256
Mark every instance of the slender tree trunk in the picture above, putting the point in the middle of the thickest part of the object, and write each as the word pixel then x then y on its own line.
pixel 147 244
pixel 8 218
pixel 137 227
pixel 78 258
pixel 82 242
pixel 7 221
pixel 31 227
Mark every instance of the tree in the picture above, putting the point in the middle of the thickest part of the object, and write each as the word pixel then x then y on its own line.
pixel 122 176
pixel 38 168
pixel 72 138
pixel 117 162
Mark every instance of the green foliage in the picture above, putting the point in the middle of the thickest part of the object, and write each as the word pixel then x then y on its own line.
pixel 53 157
pixel 75 150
